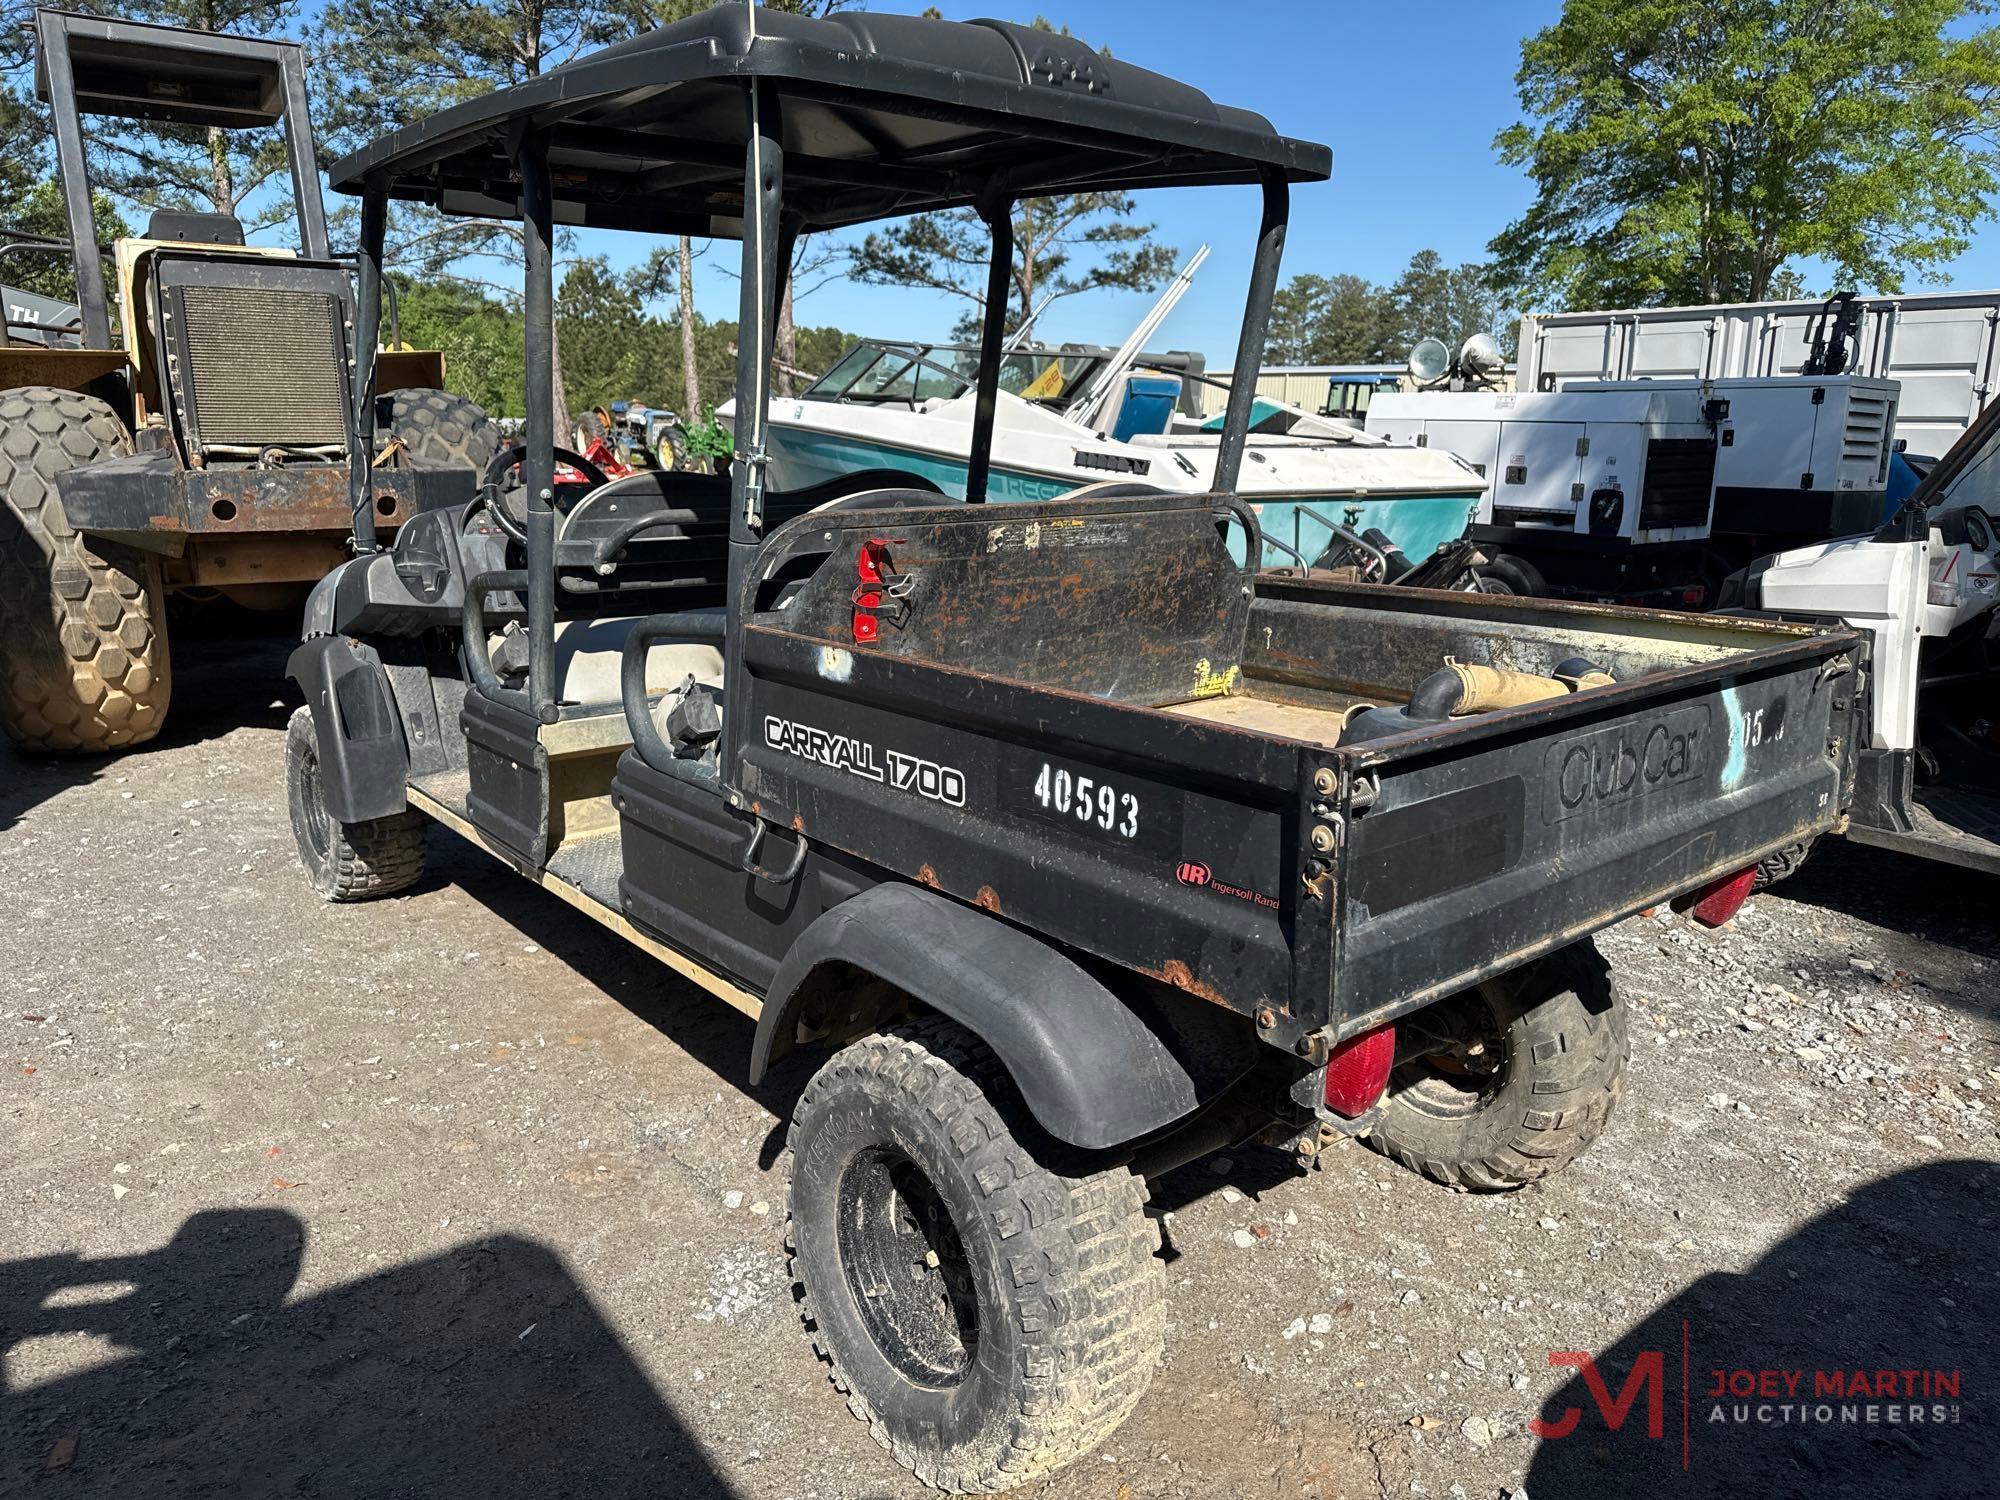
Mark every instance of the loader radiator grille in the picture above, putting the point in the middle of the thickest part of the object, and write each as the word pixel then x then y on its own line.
pixel 263 367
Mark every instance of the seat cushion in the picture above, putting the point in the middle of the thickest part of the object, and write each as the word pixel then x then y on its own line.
pixel 590 660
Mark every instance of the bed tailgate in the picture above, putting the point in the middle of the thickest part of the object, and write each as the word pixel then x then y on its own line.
pixel 1476 846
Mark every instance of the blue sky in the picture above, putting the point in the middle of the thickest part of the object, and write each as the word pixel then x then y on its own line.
pixel 1408 96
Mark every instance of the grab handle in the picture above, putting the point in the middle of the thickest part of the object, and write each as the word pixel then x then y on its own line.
pixel 748 859
pixel 684 625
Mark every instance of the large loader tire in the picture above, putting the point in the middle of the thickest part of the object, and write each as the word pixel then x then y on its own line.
pixel 83 638
pixel 439 426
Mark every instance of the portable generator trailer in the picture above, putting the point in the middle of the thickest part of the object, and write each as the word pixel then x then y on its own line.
pixel 1654 491
pixel 1082 848
pixel 203 446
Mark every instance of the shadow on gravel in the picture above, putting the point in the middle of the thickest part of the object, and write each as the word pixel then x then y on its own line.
pixel 229 673
pixel 1897 1279
pixel 416 1381
pixel 702 1026
pixel 1924 899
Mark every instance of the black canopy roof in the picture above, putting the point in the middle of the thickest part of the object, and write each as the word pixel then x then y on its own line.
pixel 882 115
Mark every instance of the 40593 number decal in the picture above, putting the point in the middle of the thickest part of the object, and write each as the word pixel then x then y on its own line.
pixel 1088 800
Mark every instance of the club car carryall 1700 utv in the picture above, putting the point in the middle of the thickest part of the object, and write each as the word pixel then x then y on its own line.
pixel 1082 848
pixel 203 447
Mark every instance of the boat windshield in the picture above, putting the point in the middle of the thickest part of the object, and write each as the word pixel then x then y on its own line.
pixel 899 374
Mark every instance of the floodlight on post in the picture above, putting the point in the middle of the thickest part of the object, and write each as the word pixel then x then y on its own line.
pixel 1430 361
pixel 1480 360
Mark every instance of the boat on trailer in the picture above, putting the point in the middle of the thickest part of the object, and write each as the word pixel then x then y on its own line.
pixel 1073 414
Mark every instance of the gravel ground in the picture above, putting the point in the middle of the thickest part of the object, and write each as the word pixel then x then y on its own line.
pixel 459 1194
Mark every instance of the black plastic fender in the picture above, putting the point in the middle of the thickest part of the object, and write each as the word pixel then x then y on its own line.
pixel 364 763
pixel 1088 1068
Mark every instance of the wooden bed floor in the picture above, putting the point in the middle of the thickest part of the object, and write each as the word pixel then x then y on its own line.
pixel 1291 721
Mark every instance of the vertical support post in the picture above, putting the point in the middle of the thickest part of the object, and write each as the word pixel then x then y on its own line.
pixel 763 190
pixel 1250 342
pixel 764 240
pixel 538 469
pixel 71 167
pixel 361 365
pixel 305 162
pixel 999 216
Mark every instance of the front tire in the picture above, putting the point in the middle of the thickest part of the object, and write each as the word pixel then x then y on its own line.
pixel 989 1308
pixel 1525 1073
pixel 345 861
pixel 83 640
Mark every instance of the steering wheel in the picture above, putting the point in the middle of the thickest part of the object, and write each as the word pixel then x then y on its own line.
pixel 511 508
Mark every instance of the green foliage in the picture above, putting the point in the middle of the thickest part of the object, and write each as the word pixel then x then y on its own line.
pixel 1330 320
pixel 708 440
pixel 39 210
pixel 1347 320
pixel 479 336
pixel 1685 151
pixel 1074 243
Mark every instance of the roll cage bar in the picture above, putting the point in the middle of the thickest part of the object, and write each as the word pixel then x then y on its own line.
pixel 90 65
pixel 926 115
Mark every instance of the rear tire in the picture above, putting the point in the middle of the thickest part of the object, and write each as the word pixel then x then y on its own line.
pixel 440 427
pixel 1781 864
pixel 989 1308
pixel 83 642
pixel 345 861
pixel 1538 1067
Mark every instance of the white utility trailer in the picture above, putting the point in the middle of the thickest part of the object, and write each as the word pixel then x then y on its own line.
pixel 1940 346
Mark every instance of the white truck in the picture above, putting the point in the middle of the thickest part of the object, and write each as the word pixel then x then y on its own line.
pixel 1653 491
pixel 1924 589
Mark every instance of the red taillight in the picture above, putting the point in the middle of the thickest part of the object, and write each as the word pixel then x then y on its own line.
pixel 1716 902
pixel 1358 1071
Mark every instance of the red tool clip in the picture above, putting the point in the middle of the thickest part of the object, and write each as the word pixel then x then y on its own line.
pixel 878 581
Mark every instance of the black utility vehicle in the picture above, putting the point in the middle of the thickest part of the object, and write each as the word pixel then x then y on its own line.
pixel 1081 847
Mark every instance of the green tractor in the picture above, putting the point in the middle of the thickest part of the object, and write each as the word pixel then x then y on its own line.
pixel 201 446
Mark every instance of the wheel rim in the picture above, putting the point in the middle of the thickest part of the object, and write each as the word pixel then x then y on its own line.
pixel 1465 1068
pixel 316 822
pixel 906 1269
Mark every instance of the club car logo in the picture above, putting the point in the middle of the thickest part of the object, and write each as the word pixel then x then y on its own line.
pixel 844 752
pixel 1607 766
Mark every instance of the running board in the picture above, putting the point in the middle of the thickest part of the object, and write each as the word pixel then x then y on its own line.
pixel 1957 827
pixel 597 911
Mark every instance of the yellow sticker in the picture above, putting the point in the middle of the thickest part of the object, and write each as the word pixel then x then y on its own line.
pixel 1212 684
